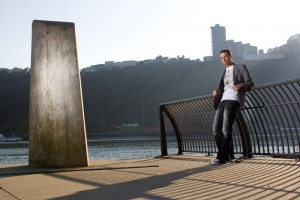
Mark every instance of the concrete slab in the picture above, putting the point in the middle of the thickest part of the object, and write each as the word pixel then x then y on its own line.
pixel 172 177
pixel 57 134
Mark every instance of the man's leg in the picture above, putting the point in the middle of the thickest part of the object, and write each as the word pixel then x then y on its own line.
pixel 231 150
pixel 230 108
pixel 217 125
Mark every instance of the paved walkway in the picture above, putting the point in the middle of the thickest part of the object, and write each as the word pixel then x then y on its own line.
pixel 173 177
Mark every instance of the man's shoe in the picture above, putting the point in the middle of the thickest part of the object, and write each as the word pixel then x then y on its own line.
pixel 229 159
pixel 216 162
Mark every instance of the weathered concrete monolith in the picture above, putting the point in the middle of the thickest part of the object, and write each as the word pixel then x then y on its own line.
pixel 57 135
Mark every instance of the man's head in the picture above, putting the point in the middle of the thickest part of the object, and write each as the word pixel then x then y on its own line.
pixel 226 57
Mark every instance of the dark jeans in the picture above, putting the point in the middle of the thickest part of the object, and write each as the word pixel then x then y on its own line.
pixel 222 128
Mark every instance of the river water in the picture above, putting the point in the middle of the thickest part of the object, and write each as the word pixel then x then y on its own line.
pixel 100 149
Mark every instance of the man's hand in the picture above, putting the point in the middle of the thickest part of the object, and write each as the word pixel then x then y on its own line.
pixel 237 87
pixel 215 93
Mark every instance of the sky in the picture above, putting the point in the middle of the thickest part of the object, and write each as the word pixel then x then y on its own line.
pixel 121 30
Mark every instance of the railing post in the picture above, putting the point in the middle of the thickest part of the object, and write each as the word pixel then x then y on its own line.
pixel 163 136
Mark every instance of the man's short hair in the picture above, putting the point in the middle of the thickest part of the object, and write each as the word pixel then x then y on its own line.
pixel 226 51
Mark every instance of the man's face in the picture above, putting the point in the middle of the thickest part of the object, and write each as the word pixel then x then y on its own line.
pixel 226 59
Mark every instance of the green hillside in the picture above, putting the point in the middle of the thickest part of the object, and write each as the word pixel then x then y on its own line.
pixel 131 95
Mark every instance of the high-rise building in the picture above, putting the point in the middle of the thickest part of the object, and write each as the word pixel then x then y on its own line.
pixel 219 42
pixel 218 37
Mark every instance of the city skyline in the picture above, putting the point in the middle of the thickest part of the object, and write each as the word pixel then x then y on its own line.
pixel 138 30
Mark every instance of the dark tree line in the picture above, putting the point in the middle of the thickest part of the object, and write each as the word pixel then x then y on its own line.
pixel 132 94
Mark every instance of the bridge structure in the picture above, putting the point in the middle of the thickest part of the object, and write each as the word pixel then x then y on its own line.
pixel 268 125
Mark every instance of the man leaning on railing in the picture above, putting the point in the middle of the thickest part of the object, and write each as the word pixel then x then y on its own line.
pixel 228 98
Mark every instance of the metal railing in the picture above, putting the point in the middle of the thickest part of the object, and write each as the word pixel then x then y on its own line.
pixel 269 124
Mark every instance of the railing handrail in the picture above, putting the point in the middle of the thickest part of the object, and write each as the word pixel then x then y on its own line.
pixel 210 95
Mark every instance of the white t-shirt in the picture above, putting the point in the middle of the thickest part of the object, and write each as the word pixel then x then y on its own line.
pixel 229 93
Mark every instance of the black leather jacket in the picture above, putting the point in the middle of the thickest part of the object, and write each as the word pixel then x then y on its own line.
pixel 241 75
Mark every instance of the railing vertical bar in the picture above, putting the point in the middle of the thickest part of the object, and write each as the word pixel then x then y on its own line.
pixel 252 125
pixel 174 122
pixel 289 114
pixel 259 122
pixel 204 109
pixel 266 115
pixel 281 113
pixel 196 130
pixel 184 127
pixel 209 110
pixel 276 117
pixel 189 124
pixel 297 99
pixel 263 111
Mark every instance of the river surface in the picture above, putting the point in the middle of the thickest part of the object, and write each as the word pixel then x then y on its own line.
pixel 98 149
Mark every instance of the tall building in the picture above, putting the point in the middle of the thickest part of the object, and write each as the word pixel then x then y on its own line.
pixel 294 44
pixel 218 37
pixel 219 42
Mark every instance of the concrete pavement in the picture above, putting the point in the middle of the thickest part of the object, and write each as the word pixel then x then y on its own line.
pixel 171 177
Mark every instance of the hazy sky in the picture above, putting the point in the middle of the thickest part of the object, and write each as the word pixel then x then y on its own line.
pixel 119 30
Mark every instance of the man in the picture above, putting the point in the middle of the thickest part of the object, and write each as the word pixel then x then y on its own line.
pixel 228 98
